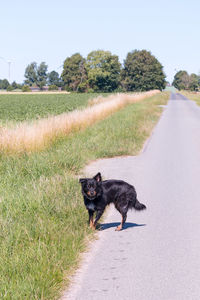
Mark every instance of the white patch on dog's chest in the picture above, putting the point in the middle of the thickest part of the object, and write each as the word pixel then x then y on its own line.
pixel 91 206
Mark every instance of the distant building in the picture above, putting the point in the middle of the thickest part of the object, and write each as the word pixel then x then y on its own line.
pixel 37 89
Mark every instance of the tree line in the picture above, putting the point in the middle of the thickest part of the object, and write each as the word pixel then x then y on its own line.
pixel 100 71
pixel 5 85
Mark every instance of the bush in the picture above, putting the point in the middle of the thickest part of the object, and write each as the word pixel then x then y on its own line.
pixel 66 88
pixel 10 88
pixel 26 88
pixel 120 89
pixel 53 87
pixel 90 90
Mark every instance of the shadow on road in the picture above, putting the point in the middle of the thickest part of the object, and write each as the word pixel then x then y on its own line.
pixel 115 224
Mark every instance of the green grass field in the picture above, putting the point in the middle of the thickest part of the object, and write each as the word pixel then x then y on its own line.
pixel 43 222
pixel 192 95
pixel 29 107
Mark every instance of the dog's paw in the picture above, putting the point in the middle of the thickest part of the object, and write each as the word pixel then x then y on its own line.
pixel 99 227
pixel 119 228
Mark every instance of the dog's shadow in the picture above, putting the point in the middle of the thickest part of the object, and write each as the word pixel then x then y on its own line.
pixel 115 224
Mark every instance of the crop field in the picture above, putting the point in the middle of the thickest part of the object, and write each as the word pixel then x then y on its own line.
pixel 21 107
pixel 35 135
pixel 43 222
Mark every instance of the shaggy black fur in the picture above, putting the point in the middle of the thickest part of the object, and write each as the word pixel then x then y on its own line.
pixel 98 194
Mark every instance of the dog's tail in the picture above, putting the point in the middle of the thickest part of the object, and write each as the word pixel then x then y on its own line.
pixel 139 206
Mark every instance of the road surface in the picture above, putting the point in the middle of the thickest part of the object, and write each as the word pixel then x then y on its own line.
pixel 157 255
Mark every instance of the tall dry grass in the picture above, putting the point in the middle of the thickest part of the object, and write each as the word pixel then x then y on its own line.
pixel 26 137
pixel 131 97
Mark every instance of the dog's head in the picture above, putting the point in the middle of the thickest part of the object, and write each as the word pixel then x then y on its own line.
pixel 91 187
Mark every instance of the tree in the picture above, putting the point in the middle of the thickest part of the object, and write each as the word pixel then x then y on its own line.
pixel 36 75
pixel 54 78
pixel 41 75
pixel 181 80
pixel 4 84
pixel 31 74
pixel 103 71
pixel 142 72
pixel 14 85
pixel 194 82
pixel 74 72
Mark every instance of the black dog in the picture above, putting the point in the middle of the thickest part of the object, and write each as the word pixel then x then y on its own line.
pixel 98 194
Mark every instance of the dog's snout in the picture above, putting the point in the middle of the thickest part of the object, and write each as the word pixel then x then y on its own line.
pixel 91 193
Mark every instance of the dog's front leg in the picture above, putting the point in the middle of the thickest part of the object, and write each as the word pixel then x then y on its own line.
pixel 98 216
pixel 91 222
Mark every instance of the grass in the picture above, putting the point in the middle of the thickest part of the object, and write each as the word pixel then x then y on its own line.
pixel 37 135
pixel 17 107
pixel 192 95
pixel 43 222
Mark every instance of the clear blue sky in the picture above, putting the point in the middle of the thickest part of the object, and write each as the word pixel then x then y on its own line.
pixel 50 31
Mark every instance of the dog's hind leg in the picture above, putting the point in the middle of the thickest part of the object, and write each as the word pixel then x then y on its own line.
pixel 124 216
pixel 122 206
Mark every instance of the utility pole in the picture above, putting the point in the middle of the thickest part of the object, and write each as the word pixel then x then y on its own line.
pixel 9 65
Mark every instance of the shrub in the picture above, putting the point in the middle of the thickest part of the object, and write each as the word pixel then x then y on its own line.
pixel 10 88
pixel 90 90
pixel 53 87
pixel 26 88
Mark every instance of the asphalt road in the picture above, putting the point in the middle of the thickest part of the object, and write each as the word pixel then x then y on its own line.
pixel 157 255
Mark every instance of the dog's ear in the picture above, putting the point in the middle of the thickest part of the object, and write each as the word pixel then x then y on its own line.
pixel 82 180
pixel 98 177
